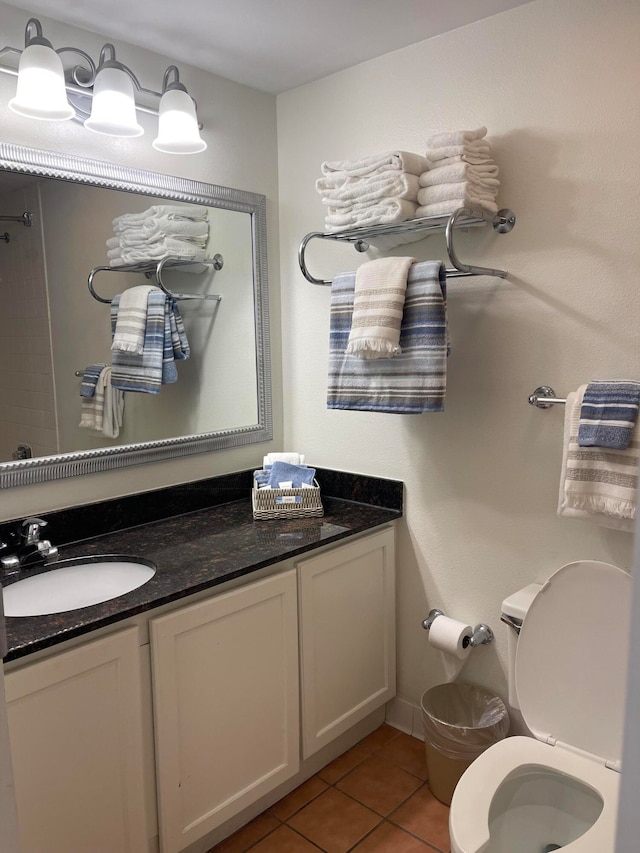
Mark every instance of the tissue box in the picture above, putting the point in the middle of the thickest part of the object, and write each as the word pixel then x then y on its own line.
pixel 287 503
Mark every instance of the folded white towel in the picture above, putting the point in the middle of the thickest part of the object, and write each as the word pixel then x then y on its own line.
pixel 167 226
pixel 172 211
pixel 486 173
pixel 479 160
pixel 460 189
pixel 113 243
pixel 135 238
pixel 165 248
pixel 132 320
pixel 386 212
pixel 443 208
pixel 378 304
pixel 400 161
pixel 477 148
pixel 458 137
pixel 597 482
pixel 285 456
pixel 362 191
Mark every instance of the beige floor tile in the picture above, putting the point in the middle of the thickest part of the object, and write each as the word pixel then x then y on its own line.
pixel 334 822
pixel 298 798
pixel 387 838
pixel 379 785
pixel 248 835
pixel 426 817
pixel 407 752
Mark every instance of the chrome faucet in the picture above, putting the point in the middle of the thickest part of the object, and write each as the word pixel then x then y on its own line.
pixel 29 550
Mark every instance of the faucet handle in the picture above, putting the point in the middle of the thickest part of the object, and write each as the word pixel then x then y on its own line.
pixel 31 529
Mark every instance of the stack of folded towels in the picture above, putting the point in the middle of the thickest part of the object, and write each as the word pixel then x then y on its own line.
pixel 460 173
pixel 377 190
pixel 284 471
pixel 164 230
pixel 148 337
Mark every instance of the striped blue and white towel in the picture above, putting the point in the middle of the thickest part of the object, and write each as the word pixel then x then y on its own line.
pixel 142 372
pixel 90 379
pixel 608 414
pixel 413 381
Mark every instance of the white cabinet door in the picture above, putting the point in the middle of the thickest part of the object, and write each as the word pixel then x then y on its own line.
pixel 347 627
pixel 225 681
pixel 76 743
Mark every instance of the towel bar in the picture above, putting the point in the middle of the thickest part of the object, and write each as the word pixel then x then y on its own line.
pixel 544 397
pixel 26 218
pixel 155 269
pixel 502 222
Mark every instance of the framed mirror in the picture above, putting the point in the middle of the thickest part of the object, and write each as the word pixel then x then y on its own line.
pixel 55 321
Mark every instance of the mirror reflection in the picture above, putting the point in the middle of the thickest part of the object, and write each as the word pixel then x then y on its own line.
pixel 52 328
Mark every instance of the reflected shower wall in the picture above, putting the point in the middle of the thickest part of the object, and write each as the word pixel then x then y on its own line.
pixel 27 406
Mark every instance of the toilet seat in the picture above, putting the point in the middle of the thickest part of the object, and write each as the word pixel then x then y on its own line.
pixel 570 680
pixel 480 783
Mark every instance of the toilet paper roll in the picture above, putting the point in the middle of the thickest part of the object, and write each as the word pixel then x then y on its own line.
pixel 449 636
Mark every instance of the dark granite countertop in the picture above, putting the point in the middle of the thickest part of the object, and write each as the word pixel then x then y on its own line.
pixel 193 552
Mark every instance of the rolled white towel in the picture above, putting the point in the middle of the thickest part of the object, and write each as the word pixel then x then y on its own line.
pixel 386 212
pixel 477 148
pixel 113 243
pixel 442 208
pixel 410 193
pixel 399 161
pixel 486 175
pixel 460 189
pixel 457 137
pixel 397 184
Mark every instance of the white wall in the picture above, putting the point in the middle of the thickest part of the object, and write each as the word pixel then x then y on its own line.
pixel 240 130
pixel 552 80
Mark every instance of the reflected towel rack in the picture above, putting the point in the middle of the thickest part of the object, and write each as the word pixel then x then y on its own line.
pixel 155 269
pixel 544 397
pixel 26 218
pixel 464 217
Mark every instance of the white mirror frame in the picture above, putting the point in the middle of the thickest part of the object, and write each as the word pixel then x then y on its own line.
pixel 47 164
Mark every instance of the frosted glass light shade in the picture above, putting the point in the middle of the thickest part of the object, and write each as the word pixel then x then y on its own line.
pixel 41 91
pixel 113 111
pixel 178 125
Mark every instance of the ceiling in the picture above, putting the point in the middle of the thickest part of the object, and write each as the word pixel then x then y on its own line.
pixel 271 45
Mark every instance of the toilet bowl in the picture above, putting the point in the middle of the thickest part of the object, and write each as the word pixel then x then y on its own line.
pixel 557 790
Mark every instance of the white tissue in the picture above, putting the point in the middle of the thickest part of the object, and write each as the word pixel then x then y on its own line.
pixel 450 636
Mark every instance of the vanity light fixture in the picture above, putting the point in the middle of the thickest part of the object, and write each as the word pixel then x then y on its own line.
pixel 178 131
pixel 46 90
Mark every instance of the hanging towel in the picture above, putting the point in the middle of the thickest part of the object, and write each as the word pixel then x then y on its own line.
pixel 597 483
pixel 142 372
pixel 131 319
pixel 378 303
pixel 608 414
pixel 175 344
pixel 90 379
pixel 458 137
pixel 103 412
pixel 412 382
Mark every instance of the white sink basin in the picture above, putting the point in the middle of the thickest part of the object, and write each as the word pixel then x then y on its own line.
pixel 78 582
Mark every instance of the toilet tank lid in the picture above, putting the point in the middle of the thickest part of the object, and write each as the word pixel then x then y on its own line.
pixel 517 604
pixel 571 658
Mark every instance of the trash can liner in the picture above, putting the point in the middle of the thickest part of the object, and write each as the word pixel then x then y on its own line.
pixel 462 720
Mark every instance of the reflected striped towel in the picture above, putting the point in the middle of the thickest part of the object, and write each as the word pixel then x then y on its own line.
pixel 103 413
pixel 608 414
pixel 412 382
pixel 90 378
pixel 597 483
pixel 142 372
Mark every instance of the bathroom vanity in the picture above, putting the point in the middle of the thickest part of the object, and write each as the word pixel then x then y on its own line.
pixel 169 716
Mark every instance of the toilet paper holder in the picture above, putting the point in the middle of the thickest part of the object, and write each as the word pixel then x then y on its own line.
pixel 482 634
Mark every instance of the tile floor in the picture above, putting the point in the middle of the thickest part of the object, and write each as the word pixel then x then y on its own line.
pixel 372 799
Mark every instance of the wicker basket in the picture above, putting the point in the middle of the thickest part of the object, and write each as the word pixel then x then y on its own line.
pixel 287 503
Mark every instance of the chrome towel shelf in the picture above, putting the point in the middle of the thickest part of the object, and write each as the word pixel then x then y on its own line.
pixel 544 397
pixel 155 269
pixel 502 222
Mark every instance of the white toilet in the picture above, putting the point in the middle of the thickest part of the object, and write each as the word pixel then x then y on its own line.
pixel 558 791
